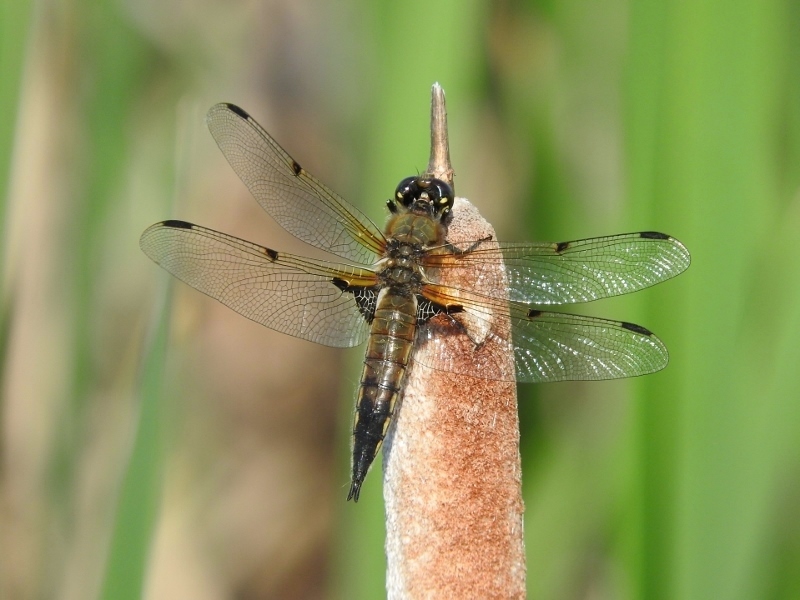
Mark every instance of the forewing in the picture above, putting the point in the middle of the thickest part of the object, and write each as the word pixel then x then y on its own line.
pixel 290 294
pixel 303 206
pixel 547 346
pixel 577 271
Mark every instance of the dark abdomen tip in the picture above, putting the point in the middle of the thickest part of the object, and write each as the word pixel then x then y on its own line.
pixel 355 491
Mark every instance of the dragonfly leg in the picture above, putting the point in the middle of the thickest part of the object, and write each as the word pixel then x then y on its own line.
pixel 473 246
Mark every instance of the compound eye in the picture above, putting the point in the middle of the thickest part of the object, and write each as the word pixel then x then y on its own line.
pixel 406 191
pixel 444 190
pixel 444 196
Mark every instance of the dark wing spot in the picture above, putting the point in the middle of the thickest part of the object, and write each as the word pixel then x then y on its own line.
pixel 235 109
pixel 653 235
pixel 636 328
pixel 366 298
pixel 296 167
pixel 561 246
pixel 427 309
pixel 273 254
pixel 340 283
pixel 175 224
pixel 533 313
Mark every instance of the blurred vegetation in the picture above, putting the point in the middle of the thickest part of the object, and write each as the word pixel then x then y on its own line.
pixel 157 445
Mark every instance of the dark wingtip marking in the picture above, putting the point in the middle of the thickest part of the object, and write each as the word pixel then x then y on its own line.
pixel 453 309
pixel 175 224
pixel 636 328
pixel 561 246
pixel 533 313
pixel 340 283
pixel 654 235
pixel 296 167
pixel 273 254
pixel 239 111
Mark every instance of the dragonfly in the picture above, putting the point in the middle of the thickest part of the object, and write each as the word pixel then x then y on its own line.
pixel 385 285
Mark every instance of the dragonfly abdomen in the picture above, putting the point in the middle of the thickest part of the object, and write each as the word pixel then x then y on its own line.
pixel 389 348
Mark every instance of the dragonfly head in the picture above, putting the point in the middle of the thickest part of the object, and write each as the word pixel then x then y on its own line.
pixel 422 195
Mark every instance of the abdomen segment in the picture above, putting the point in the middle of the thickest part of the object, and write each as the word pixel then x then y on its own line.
pixel 388 352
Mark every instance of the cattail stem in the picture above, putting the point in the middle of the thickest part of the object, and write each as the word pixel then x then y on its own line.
pixel 452 485
pixel 439 164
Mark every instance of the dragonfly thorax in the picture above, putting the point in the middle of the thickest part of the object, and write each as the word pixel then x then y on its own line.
pixel 401 267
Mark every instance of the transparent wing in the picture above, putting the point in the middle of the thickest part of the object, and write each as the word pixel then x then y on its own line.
pixel 547 346
pixel 577 271
pixel 294 295
pixel 303 206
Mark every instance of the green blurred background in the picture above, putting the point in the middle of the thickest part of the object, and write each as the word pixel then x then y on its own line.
pixel 155 444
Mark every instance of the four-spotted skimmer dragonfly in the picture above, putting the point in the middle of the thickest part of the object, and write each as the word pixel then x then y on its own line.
pixel 387 291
